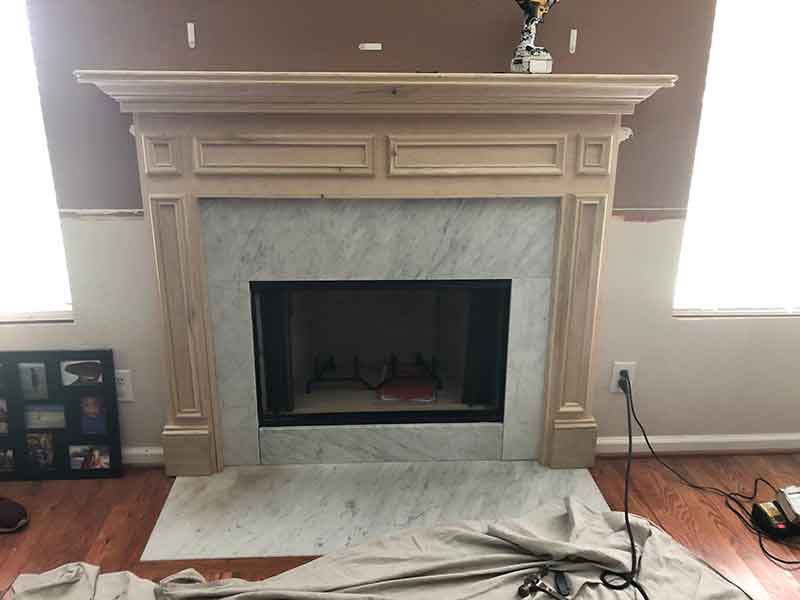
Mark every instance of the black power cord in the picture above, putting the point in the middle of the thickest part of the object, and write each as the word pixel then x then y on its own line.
pixel 734 501
pixel 610 579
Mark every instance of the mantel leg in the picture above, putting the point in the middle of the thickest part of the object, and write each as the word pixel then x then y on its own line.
pixel 570 432
pixel 188 437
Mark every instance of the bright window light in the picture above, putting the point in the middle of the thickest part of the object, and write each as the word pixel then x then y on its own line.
pixel 33 271
pixel 741 244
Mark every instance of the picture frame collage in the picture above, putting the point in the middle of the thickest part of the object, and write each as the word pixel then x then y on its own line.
pixel 58 415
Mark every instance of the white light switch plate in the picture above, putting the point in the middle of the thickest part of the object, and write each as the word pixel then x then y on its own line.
pixel 124 382
pixel 573 40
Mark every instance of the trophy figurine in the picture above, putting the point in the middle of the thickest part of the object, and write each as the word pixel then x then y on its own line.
pixel 528 57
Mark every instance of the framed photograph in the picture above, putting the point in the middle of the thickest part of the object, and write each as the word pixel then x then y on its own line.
pixel 3 416
pixel 7 460
pixel 93 415
pixel 45 416
pixel 40 450
pixel 81 373
pixel 33 380
pixel 89 458
pixel 59 417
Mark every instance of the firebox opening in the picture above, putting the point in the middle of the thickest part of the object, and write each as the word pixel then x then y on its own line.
pixel 344 352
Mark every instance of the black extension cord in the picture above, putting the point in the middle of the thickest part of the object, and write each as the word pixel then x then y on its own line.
pixel 734 501
pixel 610 579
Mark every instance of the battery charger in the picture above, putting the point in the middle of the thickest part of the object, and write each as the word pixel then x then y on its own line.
pixel 769 518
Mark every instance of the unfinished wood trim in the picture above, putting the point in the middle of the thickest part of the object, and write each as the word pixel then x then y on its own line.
pixel 174 92
pixel 590 218
pixel 172 258
pixel 450 155
pixel 285 154
pixel 188 451
pixel 594 155
pixel 161 155
pixel 266 111
pixel 570 428
pixel 186 336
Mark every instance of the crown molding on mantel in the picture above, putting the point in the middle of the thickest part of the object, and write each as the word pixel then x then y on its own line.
pixel 381 93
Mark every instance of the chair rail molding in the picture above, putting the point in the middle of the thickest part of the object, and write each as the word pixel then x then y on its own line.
pixel 350 135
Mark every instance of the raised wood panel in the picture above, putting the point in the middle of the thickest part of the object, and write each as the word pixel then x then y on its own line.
pixel 594 155
pixel 285 155
pixel 570 429
pixel 587 245
pixel 174 270
pixel 161 155
pixel 476 155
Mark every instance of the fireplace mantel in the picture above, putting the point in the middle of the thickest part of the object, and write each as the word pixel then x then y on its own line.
pixel 218 135
pixel 358 93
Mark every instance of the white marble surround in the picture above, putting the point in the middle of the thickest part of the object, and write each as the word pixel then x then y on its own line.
pixel 373 443
pixel 271 239
pixel 317 509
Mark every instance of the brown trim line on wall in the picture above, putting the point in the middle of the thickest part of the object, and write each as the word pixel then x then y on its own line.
pixel 628 214
pixel 91 213
pixel 649 214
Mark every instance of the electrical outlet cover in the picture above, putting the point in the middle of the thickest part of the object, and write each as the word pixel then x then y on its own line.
pixel 124 383
pixel 621 366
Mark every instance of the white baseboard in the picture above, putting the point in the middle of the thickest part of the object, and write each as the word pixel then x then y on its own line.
pixel 143 456
pixel 763 442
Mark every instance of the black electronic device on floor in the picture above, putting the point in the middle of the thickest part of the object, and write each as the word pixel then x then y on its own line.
pixel 773 522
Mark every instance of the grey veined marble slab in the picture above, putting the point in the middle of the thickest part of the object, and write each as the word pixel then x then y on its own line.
pixel 291 239
pixel 316 509
pixel 331 444
pixel 285 239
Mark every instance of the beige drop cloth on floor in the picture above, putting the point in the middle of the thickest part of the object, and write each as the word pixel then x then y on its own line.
pixel 458 561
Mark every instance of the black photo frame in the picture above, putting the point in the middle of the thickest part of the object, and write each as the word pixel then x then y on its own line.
pixel 65 427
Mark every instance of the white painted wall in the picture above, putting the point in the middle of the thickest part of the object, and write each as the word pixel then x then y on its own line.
pixel 112 276
pixel 725 376
pixel 710 376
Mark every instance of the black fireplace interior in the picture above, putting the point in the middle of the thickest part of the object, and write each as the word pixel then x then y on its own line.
pixel 347 352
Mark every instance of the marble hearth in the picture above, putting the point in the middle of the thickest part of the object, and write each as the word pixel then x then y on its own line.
pixel 327 239
pixel 250 176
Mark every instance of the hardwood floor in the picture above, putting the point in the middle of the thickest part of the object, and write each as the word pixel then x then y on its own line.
pixel 108 522
pixel 701 522
pixel 105 522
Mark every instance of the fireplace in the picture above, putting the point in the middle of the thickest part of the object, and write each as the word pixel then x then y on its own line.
pixel 389 351
pixel 379 177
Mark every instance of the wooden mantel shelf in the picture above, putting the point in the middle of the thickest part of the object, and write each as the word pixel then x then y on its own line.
pixel 382 93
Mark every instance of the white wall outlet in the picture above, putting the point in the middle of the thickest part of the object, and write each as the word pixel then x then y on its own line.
pixel 124 382
pixel 371 46
pixel 620 366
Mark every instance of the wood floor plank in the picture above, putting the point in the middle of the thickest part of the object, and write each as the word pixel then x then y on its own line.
pixel 126 529
pixel 702 523
pixel 734 476
pixel 689 518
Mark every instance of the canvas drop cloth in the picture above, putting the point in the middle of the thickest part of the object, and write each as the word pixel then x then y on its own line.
pixel 458 561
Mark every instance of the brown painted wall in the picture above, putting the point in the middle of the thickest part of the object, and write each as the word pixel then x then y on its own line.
pixel 86 131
